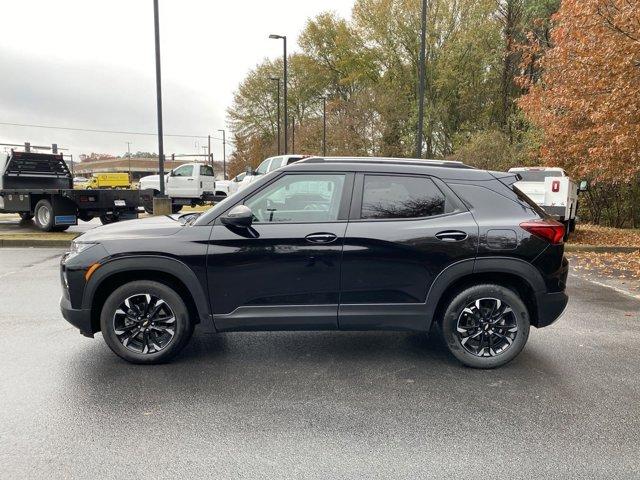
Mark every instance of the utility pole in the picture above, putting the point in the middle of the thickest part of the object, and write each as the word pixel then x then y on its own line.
pixel 276 79
pixel 209 148
pixel 421 67
pixel 286 109
pixel 156 20
pixel 293 136
pixel 129 156
pixel 224 154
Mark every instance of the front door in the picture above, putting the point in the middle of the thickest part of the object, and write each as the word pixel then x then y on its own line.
pixel 284 271
pixel 182 183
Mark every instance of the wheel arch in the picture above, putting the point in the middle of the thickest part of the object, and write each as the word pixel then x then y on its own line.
pixel 168 271
pixel 508 272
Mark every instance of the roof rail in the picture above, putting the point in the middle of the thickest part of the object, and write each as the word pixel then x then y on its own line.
pixel 389 160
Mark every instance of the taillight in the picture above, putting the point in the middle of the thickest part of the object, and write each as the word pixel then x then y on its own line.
pixel 550 230
pixel 555 186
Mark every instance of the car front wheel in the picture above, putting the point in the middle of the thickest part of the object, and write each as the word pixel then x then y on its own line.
pixel 145 322
pixel 486 326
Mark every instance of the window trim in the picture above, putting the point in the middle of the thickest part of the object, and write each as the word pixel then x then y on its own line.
pixel 355 213
pixel 345 201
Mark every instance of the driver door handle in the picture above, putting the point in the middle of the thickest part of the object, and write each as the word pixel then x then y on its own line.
pixel 321 237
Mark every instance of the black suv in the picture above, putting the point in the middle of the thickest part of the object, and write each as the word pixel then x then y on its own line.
pixel 330 244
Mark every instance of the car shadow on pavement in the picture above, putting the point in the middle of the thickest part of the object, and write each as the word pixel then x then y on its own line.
pixel 301 367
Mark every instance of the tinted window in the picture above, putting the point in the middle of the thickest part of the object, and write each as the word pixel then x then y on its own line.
pixel 299 198
pixel 388 196
pixel 183 171
pixel 538 175
pixel 206 170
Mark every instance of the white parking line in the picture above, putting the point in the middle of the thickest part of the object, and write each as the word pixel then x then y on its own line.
pixel 601 284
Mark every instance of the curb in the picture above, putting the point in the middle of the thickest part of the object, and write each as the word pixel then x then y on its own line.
pixel 30 242
pixel 600 248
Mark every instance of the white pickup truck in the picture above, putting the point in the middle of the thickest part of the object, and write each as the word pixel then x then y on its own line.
pixel 553 190
pixel 243 179
pixel 189 184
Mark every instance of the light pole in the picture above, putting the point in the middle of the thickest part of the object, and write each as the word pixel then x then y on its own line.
pixel 156 21
pixel 421 67
pixel 324 126
pixel 284 82
pixel 224 154
pixel 129 155
pixel 276 79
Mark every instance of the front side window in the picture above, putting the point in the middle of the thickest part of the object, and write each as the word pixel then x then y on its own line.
pixel 299 199
pixel 183 171
pixel 240 177
pixel 262 168
pixel 206 171
pixel 387 196
pixel 276 163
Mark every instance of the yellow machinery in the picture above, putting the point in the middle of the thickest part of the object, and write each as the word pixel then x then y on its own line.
pixel 108 180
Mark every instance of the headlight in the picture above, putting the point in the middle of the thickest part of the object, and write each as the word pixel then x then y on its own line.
pixel 77 247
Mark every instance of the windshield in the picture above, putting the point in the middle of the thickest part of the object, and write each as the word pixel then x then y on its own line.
pixel 538 175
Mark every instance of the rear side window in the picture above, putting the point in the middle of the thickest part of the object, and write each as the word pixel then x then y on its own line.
pixel 387 196
pixel 206 171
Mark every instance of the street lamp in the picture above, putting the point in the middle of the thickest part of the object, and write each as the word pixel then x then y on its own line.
pixel 224 154
pixel 129 155
pixel 276 79
pixel 156 21
pixel 284 81
pixel 421 66
pixel 324 126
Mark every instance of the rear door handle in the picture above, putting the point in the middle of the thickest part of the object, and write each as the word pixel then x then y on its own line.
pixel 321 237
pixel 451 236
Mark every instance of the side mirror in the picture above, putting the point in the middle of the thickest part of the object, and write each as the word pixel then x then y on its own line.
pixel 239 216
pixel 584 186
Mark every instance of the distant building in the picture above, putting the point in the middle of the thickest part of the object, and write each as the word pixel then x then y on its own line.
pixel 140 167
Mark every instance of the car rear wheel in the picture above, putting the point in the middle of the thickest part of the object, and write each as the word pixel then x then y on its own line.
pixel 145 322
pixel 486 326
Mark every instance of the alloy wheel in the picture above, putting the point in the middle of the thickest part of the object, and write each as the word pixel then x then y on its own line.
pixel 487 327
pixel 144 323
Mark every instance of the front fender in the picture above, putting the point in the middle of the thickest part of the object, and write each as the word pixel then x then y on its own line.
pixel 157 263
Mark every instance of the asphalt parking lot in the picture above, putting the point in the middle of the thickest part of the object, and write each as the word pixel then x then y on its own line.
pixel 314 405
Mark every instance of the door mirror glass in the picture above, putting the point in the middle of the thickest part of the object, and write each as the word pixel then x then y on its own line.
pixel 584 186
pixel 239 216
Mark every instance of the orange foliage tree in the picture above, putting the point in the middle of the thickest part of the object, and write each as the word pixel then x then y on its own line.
pixel 587 101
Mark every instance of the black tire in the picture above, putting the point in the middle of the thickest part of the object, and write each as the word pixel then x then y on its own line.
pixel 85 217
pixel 26 217
pixel 464 309
pixel 108 218
pixel 137 292
pixel 147 202
pixel 44 216
pixel 176 208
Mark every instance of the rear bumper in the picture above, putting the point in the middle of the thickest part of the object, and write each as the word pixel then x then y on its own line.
pixel 81 319
pixel 550 307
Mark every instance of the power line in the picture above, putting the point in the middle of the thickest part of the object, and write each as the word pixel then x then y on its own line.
pixel 93 130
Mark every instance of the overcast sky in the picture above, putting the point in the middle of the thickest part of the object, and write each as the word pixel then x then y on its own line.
pixel 90 64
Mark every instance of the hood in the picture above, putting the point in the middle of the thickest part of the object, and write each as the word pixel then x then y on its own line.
pixel 160 226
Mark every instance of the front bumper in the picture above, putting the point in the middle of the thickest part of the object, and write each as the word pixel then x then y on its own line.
pixel 79 318
pixel 550 307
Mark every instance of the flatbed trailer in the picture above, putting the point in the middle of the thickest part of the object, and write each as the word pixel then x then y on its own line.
pixel 40 186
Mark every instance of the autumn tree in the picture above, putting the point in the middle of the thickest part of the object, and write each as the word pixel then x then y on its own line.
pixel 588 99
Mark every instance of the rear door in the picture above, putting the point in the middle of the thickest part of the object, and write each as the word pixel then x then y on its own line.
pixel 403 231
pixel 207 179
